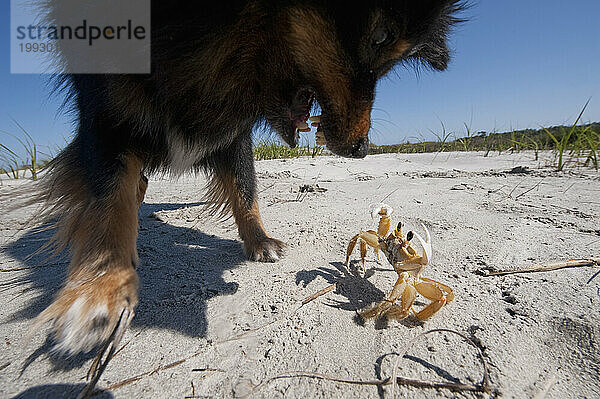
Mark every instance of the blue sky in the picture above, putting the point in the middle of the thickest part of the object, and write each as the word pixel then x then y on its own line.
pixel 517 64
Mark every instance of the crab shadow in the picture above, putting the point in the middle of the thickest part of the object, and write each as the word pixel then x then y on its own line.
pixel 180 269
pixel 359 291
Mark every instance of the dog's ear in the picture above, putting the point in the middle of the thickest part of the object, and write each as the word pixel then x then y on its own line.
pixel 437 19
pixel 434 52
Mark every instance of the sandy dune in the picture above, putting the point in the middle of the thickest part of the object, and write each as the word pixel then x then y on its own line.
pixel 537 330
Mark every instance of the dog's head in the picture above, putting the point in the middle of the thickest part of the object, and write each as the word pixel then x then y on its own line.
pixel 334 52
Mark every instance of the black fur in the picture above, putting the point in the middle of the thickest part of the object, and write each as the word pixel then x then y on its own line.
pixel 252 76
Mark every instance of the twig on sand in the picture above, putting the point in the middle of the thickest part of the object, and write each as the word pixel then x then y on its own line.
pixel 18 269
pixel 138 377
pixel 547 387
pixel 390 194
pixel 543 267
pixel 98 366
pixel 482 387
pixel 318 294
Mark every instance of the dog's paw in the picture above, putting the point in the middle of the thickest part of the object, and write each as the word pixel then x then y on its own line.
pixel 86 311
pixel 265 250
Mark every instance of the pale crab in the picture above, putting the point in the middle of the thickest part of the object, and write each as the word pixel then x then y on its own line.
pixel 407 263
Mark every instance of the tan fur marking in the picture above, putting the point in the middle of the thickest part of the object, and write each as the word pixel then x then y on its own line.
pixel 226 197
pixel 315 44
pixel 142 187
pixel 400 49
pixel 246 216
pixel 104 234
pixel 362 124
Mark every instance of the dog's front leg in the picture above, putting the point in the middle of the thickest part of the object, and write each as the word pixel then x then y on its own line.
pixel 234 185
pixel 99 223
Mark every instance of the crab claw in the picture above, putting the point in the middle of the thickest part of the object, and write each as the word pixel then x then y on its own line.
pixel 426 244
pixel 382 210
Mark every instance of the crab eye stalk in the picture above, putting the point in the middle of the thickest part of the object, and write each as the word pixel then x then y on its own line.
pixel 399 227
pixel 410 236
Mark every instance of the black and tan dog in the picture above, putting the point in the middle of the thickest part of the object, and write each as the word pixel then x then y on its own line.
pixel 219 68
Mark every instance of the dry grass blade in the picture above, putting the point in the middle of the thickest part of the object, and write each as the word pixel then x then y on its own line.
pixel 593 277
pixel 544 267
pixel 529 190
pixel 138 377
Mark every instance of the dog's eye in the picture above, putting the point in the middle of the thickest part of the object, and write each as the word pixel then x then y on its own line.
pixel 380 36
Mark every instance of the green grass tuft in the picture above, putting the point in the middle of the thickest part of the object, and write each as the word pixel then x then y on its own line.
pixel 14 163
pixel 266 149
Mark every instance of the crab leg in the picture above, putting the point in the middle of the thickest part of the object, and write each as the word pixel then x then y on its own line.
pixel 431 291
pixel 363 254
pixel 447 290
pixel 383 228
pixel 368 237
pixel 408 298
pixel 408 265
pixel 399 289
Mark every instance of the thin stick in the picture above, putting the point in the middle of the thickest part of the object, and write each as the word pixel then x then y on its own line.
pixel 209 370
pixel 98 366
pixel 385 381
pixel 547 387
pixel 318 294
pixel 545 267
pixel 18 269
pixel 483 386
pixel 390 194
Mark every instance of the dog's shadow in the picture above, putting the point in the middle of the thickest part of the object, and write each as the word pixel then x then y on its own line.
pixel 180 270
pixel 52 391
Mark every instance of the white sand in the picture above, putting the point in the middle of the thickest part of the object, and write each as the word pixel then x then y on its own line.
pixel 198 291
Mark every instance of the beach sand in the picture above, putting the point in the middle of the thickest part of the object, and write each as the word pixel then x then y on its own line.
pixel 212 324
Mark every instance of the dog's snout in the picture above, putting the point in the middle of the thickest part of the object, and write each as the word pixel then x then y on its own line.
pixel 360 149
